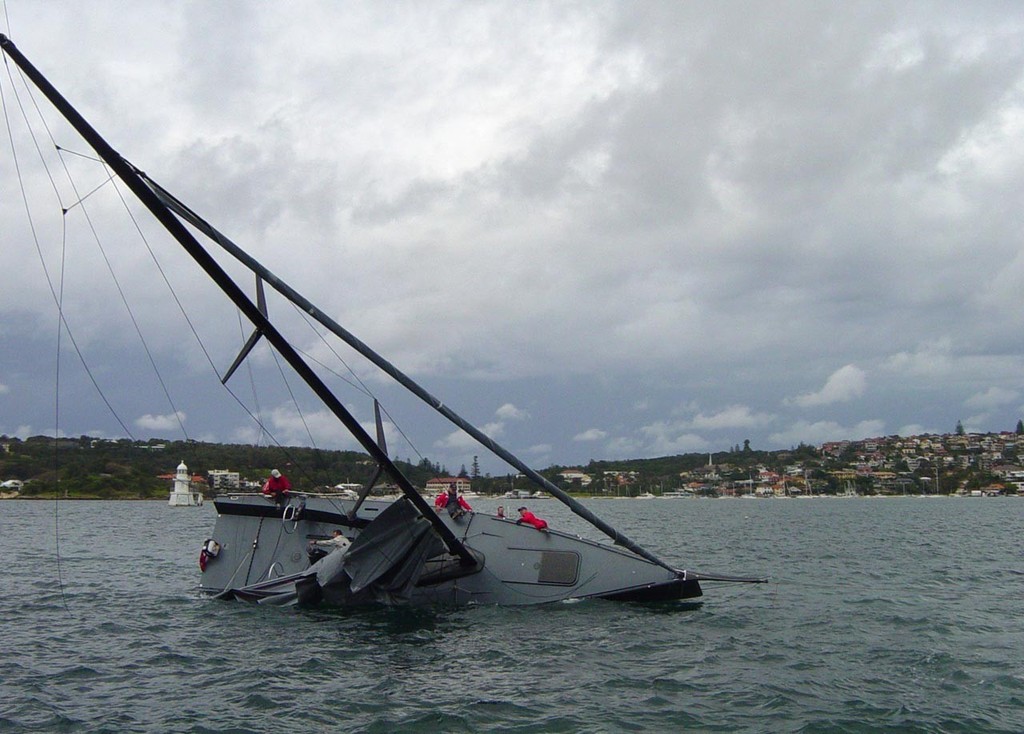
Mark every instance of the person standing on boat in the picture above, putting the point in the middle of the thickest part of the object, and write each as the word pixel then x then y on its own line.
pixel 456 504
pixel 277 487
pixel 530 519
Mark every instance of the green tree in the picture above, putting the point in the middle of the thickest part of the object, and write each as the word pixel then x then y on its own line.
pixel 960 428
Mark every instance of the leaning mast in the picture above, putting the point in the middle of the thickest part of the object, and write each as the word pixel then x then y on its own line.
pixel 133 179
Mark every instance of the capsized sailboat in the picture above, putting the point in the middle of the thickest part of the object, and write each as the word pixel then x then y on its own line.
pixel 400 551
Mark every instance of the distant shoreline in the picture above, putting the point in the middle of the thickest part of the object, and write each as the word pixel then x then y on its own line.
pixel 34 498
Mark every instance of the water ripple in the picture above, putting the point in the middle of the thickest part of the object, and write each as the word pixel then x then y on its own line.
pixel 884 616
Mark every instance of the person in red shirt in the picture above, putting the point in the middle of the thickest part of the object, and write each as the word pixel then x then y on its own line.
pixel 455 503
pixel 277 487
pixel 531 519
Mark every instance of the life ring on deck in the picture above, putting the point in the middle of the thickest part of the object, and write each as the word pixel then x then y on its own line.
pixel 210 550
pixel 293 512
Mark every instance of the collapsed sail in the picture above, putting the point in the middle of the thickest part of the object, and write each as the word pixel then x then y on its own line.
pixel 383 565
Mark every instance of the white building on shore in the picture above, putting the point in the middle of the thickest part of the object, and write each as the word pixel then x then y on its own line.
pixel 182 494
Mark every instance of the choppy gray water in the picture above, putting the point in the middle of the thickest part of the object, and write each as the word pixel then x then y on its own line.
pixel 883 615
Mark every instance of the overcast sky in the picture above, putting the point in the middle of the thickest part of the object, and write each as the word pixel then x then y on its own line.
pixel 596 230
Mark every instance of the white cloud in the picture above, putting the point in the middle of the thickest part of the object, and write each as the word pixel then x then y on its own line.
pixel 462 441
pixel 916 429
pixel 665 438
pixel 975 423
pixel 591 434
pixel 994 397
pixel 167 422
pixel 510 412
pixel 926 360
pixel 733 416
pixel 819 432
pixel 4 389
pixel 624 447
pixel 843 385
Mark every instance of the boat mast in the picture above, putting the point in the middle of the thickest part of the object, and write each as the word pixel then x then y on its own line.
pixel 415 388
pixel 161 203
pixel 132 178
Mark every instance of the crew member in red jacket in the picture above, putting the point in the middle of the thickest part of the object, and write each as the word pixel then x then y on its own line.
pixel 531 519
pixel 277 487
pixel 455 503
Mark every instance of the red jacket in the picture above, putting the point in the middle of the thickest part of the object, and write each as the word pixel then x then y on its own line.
pixel 277 485
pixel 449 499
pixel 530 518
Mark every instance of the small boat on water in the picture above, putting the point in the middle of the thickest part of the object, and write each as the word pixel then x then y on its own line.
pixel 310 549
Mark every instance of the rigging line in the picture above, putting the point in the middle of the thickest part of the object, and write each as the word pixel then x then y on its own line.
pixel 401 432
pixel 64 209
pixel 58 299
pixel 28 125
pixel 291 394
pixel 361 386
pixel 188 320
pixel 87 157
pixel 337 374
pixel 56 420
pixel 195 333
pixel 81 201
pixel 252 380
pixel 181 306
pixel 58 148
pixel 39 250
pixel 124 300
pixel 258 419
pixel 60 311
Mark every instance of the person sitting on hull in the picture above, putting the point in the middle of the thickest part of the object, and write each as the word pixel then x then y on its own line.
pixel 317 549
pixel 333 543
pixel 456 504
pixel 277 487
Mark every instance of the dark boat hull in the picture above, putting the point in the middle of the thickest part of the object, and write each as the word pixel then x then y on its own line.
pixel 264 546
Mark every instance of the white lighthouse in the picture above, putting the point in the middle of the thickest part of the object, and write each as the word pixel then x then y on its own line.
pixel 182 494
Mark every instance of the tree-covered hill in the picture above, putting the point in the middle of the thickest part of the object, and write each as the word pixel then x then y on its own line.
pixel 87 467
